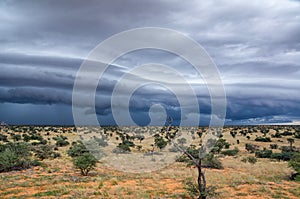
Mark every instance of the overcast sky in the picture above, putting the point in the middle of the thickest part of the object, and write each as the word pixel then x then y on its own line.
pixel 255 44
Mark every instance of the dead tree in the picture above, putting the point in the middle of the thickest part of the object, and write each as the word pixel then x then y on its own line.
pixel 201 181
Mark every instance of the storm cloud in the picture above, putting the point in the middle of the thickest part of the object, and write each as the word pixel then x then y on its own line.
pixel 255 44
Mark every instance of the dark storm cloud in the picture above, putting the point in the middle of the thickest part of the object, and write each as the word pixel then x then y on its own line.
pixel 255 44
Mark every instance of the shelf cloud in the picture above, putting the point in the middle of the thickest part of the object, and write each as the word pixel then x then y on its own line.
pixel 255 45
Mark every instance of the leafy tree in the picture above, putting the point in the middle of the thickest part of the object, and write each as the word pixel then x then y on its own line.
pixel 77 149
pixel 85 163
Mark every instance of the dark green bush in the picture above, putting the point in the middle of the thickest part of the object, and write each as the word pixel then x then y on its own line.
pixel 273 146
pixel 286 133
pixel 210 161
pixel 16 137
pixel 295 164
pixel 61 141
pixel 249 159
pixel 265 153
pixel 160 142
pixel 230 152
pixel 251 147
pixel 77 149
pixel 276 135
pixel 14 156
pixel 287 149
pixel 44 152
pixel 252 160
pixel 191 187
pixel 263 139
pixel 3 138
pixel 285 156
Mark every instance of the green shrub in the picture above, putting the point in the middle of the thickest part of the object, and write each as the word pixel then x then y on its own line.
pixel 230 152
pixel 101 141
pixel 160 142
pixel 276 135
pixel 26 137
pixel 286 133
pixel 265 153
pixel 263 139
pixel 16 137
pixel 210 161
pixel 191 187
pixel 287 149
pixel 285 156
pixel 252 160
pixel 251 147
pixel 273 146
pixel 36 137
pixel 3 138
pixel 85 163
pixel 249 159
pixel 14 156
pixel 295 164
pixel 61 141
pixel 44 151
pixel 220 144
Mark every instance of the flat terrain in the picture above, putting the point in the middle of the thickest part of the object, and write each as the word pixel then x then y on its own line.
pixel 57 178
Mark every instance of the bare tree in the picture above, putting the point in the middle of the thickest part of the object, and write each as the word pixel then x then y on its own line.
pixel 201 180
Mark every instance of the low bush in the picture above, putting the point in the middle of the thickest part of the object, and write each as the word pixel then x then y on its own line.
pixel 263 139
pixel 273 146
pixel 44 152
pixel 250 159
pixel 210 161
pixel 61 141
pixel 251 147
pixel 286 133
pixel 15 156
pixel 230 152
pixel 3 138
pixel 295 164
pixel 285 156
pixel 265 153
pixel 192 188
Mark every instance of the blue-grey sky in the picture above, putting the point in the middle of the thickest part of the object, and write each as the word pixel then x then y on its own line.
pixel 255 44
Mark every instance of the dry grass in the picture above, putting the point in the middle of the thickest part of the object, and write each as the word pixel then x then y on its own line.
pixel 57 178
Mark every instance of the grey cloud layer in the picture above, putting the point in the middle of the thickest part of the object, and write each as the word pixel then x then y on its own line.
pixel 255 44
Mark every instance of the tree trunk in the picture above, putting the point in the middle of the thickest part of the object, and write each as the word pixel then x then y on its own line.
pixel 201 181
